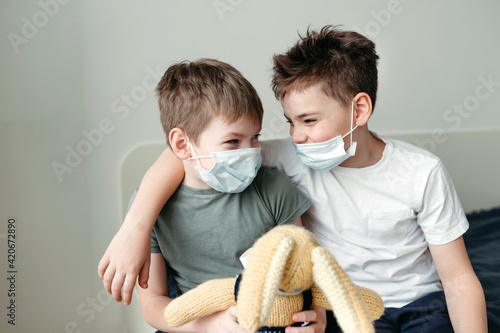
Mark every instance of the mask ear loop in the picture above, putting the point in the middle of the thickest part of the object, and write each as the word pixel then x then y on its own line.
pixel 194 152
pixel 352 122
pixel 195 155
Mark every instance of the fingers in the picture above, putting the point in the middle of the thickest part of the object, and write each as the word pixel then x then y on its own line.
pixel 116 286
pixel 306 329
pixel 114 281
pixel 315 317
pixel 223 322
pixel 234 327
pixel 144 275
pixel 128 289
pixel 103 265
pixel 110 280
pixel 311 315
pixel 232 312
pixel 107 278
pixel 122 263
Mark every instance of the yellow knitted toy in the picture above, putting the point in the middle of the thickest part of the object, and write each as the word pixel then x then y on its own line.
pixel 283 264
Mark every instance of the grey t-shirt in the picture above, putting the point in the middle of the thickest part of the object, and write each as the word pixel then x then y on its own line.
pixel 201 233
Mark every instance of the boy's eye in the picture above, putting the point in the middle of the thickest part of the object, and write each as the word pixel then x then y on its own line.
pixel 309 122
pixel 256 137
pixel 234 141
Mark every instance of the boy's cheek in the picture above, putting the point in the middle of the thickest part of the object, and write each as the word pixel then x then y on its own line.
pixel 206 163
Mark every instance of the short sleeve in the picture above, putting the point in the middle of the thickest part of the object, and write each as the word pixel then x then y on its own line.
pixel 155 247
pixel 442 218
pixel 280 154
pixel 284 201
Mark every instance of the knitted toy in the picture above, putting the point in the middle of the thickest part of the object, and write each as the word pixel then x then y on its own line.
pixel 286 269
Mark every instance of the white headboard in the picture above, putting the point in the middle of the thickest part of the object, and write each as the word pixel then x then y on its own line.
pixel 472 159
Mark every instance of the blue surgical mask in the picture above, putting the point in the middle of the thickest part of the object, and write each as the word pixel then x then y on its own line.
pixel 324 156
pixel 233 170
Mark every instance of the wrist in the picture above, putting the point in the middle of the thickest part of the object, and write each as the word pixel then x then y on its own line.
pixel 201 325
pixel 137 222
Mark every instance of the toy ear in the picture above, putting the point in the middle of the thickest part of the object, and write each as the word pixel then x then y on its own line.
pixel 261 279
pixel 348 308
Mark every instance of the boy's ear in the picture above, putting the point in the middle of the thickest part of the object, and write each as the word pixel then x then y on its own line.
pixel 179 143
pixel 362 108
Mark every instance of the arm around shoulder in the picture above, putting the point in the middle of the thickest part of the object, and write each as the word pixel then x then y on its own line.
pixel 128 254
pixel 157 186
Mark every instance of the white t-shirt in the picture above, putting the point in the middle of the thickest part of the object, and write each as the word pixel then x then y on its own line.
pixel 378 220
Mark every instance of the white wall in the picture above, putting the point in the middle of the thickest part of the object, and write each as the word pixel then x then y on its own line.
pixel 77 69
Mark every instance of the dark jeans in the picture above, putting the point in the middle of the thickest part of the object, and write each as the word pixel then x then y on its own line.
pixel 426 314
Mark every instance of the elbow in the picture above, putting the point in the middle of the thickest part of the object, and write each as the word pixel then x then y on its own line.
pixel 463 284
pixel 153 316
pixel 148 317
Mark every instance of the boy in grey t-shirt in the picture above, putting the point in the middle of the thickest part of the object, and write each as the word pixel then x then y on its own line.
pixel 212 117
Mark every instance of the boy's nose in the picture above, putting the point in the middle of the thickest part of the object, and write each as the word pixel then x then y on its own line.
pixel 298 136
pixel 245 145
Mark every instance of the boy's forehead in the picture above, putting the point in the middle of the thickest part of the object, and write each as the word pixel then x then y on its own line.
pixel 308 87
pixel 312 99
pixel 311 93
pixel 244 121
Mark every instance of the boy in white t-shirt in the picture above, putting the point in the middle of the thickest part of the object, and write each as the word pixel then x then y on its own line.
pixel 387 210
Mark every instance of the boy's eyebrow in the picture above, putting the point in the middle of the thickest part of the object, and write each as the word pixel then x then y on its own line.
pixel 233 134
pixel 304 114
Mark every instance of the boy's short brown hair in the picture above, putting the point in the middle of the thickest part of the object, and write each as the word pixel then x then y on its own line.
pixel 344 62
pixel 191 94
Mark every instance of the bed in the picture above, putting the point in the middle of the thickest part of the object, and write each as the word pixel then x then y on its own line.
pixel 473 164
pixel 483 246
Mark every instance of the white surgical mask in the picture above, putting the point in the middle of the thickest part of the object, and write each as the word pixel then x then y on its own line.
pixel 326 155
pixel 233 170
